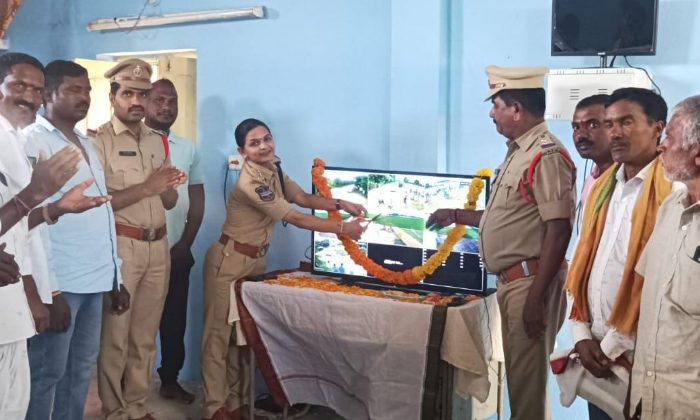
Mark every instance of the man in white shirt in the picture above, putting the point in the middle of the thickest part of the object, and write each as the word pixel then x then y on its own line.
pixel 665 383
pixel 21 190
pixel 634 120
pixel 183 222
pixel 21 85
pixel 16 323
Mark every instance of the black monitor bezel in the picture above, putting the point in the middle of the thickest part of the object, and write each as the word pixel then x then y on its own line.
pixel 621 53
pixel 374 282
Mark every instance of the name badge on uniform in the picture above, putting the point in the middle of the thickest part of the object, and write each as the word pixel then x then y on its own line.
pixel 696 258
pixel 265 193
pixel 127 153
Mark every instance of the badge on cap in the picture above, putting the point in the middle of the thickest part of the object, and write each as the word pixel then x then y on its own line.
pixel 137 71
pixel 265 193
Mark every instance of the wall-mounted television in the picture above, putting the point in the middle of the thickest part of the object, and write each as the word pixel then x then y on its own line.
pixel 398 205
pixel 604 27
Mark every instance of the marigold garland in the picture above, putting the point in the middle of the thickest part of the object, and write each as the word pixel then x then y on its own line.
pixel 327 285
pixel 408 276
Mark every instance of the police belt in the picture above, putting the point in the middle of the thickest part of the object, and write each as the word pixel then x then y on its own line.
pixel 139 233
pixel 248 250
pixel 527 268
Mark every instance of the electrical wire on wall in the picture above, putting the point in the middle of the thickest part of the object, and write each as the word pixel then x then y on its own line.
pixel 658 89
pixel 139 16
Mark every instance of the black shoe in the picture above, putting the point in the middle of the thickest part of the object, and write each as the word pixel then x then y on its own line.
pixel 176 393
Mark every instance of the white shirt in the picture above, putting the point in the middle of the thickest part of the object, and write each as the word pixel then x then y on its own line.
pixel 16 322
pixel 185 157
pixel 608 267
pixel 19 174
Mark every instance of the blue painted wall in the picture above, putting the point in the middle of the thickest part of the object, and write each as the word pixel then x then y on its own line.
pixel 383 84
pixel 317 72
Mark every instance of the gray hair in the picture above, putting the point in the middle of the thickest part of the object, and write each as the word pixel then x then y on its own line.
pixel 689 112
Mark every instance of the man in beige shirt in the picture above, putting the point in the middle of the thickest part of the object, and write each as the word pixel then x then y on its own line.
pixel 524 233
pixel 142 183
pixel 665 381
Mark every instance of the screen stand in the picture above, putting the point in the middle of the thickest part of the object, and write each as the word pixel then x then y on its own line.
pixel 603 61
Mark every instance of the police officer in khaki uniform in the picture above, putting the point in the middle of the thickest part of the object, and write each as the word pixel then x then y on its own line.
pixel 260 198
pixel 142 183
pixel 524 233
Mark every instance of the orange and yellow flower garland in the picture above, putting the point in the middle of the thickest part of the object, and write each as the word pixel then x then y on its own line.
pixel 408 276
pixel 327 285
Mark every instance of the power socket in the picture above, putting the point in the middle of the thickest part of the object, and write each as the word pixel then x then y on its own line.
pixel 235 162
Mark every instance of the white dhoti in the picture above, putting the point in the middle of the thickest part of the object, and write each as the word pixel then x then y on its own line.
pixel 15 380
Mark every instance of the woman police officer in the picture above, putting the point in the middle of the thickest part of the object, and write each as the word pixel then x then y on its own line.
pixel 260 198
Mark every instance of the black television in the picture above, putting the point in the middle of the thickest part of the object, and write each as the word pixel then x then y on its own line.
pixel 399 203
pixel 604 27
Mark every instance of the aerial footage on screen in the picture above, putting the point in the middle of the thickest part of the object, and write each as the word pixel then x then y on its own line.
pixel 398 206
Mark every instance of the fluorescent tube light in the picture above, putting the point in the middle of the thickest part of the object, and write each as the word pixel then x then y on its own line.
pixel 132 22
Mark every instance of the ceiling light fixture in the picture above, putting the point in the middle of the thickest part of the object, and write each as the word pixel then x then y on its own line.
pixel 134 22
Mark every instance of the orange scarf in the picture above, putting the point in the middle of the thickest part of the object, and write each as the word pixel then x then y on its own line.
pixel 625 311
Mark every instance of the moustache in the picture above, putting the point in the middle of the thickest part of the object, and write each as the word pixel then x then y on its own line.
pixel 136 108
pixel 494 121
pixel 165 114
pixel 29 105
pixel 582 141
pixel 82 105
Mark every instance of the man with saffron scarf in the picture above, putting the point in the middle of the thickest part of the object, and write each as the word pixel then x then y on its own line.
pixel 666 373
pixel 617 222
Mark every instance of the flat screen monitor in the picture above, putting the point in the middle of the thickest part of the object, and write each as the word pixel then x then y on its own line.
pixel 604 27
pixel 398 205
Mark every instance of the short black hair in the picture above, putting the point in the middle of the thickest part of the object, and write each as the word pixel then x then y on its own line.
pixel 532 100
pixel 245 127
pixel 653 105
pixel 9 60
pixel 167 82
pixel 56 70
pixel 601 99
pixel 114 88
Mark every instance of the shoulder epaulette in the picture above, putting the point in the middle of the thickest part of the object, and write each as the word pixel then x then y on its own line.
pixel 547 147
pixel 100 129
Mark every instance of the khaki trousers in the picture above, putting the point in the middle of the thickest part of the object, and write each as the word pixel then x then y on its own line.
pixel 128 342
pixel 527 360
pixel 225 366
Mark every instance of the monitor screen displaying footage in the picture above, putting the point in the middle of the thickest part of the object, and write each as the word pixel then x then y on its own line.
pixel 398 205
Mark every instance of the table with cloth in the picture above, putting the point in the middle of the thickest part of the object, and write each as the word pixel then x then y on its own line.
pixel 371 358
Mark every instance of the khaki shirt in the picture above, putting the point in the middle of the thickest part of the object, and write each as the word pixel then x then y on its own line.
pixel 666 372
pixel 512 229
pixel 257 203
pixel 127 161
